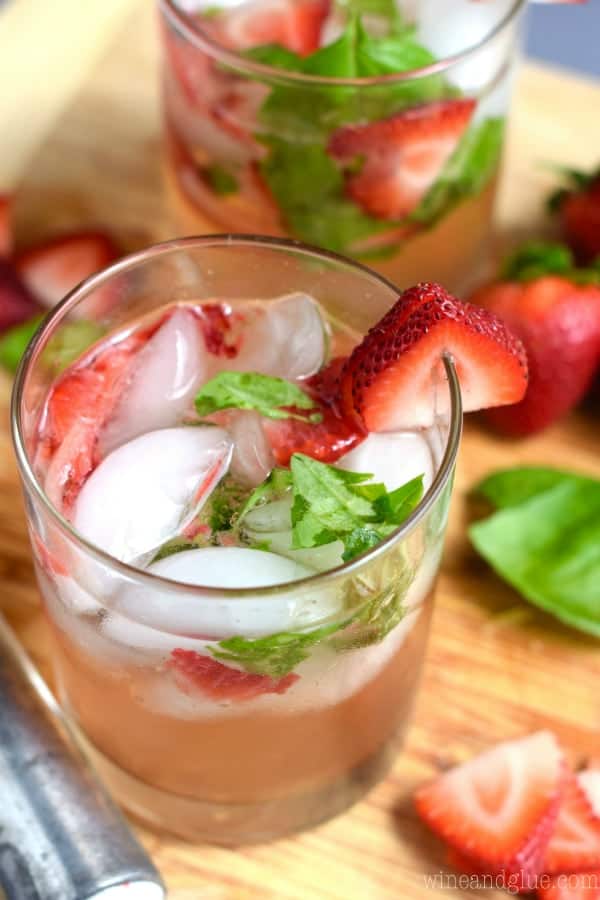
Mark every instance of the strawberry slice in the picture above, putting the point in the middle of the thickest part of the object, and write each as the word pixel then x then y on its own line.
pixel 219 682
pixel 6 237
pixel 559 324
pixel 515 882
pixel 293 24
pixel 52 269
pixel 575 842
pixel 499 808
pixel 387 383
pixel 403 155
pixel 17 303
pixel 582 886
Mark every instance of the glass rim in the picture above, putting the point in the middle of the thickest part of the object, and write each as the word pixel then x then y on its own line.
pixel 132 261
pixel 183 23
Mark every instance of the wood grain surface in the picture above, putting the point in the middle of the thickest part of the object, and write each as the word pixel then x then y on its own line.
pixel 495 667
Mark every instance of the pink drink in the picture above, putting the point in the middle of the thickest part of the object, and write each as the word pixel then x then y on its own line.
pixel 229 685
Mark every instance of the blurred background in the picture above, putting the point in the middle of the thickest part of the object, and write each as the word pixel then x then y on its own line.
pixel 566 36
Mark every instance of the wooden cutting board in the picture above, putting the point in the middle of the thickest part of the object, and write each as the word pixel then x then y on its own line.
pixel 495 667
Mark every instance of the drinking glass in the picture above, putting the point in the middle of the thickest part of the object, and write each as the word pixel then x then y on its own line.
pixel 252 148
pixel 350 641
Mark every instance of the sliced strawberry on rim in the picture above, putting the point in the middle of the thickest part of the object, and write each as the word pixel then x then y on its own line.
pixel 403 155
pixel 387 383
pixel 499 808
pixel 293 24
pixel 580 886
pixel 575 842
pixel 52 269
pixel 193 671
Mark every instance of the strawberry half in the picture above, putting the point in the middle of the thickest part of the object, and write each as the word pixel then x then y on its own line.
pixel 575 842
pixel 558 321
pixel 17 303
pixel 499 808
pixel 403 155
pixel 583 886
pixel 293 24
pixel 578 208
pixel 219 682
pixel 6 237
pixel 387 383
pixel 52 269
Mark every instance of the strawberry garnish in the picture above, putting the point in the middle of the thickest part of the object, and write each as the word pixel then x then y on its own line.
pixel 575 842
pixel 578 208
pixel 6 237
pixel 17 303
pixel 293 24
pixel 403 155
pixel 52 269
pixel 499 808
pixel 582 886
pixel 193 671
pixel 387 383
pixel 218 322
pixel 558 320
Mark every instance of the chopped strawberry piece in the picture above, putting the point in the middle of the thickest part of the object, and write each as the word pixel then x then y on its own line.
pixel 293 24
pixel 52 269
pixel 326 441
pixel 516 882
pixel 77 407
pixel 325 384
pixel 196 672
pixel 559 324
pixel 17 303
pixel 499 808
pixel 575 842
pixel 6 236
pixel 218 322
pixel 403 155
pixel 581 886
pixel 388 381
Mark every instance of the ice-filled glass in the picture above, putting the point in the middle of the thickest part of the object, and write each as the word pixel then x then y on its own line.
pixel 373 129
pixel 270 692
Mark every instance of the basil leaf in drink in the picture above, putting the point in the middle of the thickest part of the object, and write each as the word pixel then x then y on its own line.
pixel 221 180
pixel 396 506
pixel 250 390
pixel 548 545
pixel 14 341
pixel 273 487
pixel 275 655
pixel 69 342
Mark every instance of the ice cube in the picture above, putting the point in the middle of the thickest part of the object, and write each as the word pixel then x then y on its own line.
pixel 148 490
pixel 197 614
pixel 167 374
pixel 287 338
pixel 392 458
pixel 252 458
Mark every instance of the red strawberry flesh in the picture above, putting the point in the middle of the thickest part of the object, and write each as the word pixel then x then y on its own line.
pixel 293 24
pixel 403 155
pixel 6 236
pixel 575 842
pixel 195 672
pixel 388 381
pixel 499 808
pixel 579 886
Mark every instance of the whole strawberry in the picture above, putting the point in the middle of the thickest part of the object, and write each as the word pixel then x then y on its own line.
pixel 578 207
pixel 555 309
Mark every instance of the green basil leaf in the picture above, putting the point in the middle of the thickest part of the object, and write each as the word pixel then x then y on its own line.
pixel 221 180
pixel 509 487
pixel 548 548
pixel 251 390
pixel 69 342
pixel 275 655
pixel 534 259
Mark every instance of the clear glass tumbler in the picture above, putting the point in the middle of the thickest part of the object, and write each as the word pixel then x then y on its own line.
pixel 349 642
pixel 398 169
